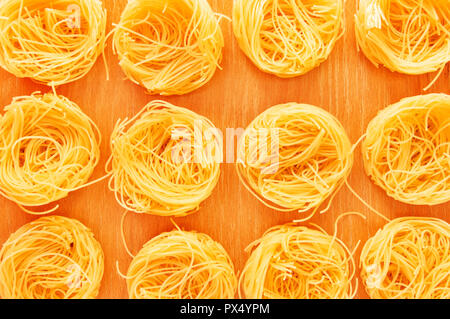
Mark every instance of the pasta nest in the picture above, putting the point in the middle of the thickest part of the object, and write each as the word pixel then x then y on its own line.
pixel 288 38
pixel 408 258
pixel 296 262
pixel 406 36
pixel 294 156
pixel 52 42
pixel 165 161
pixel 51 258
pixel 170 47
pixel 182 265
pixel 406 150
pixel 48 148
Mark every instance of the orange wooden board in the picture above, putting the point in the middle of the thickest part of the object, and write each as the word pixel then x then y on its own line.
pixel 346 85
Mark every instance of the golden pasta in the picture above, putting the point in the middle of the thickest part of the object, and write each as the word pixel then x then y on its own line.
pixel 409 258
pixel 51 258
pixel 181 265
pixel 163 161
pixel 406 150
pixel 288 38
pixel 296 262
pixel 169 46
pixel 48 148
pixel 294 156
pixel 407 36
pixel 52 42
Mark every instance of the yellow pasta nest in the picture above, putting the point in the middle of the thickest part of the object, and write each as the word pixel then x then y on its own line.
pixel 296 262
pixel 51 258
pixel 407 36
pixel 294 156
pixel 181 265
pixel 288 38
pixel 163 162
pixel 406 150
pixel 169 46
pixel 48 148
pixel 52 42
pixel 408 259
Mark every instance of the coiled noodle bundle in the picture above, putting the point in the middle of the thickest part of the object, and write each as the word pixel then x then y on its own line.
pixel 409 258
pixel 51 258
pixel 182 265
pixel 288 38
pixel 296 262
pixel 169 46
pixel 48 148
pixel 310 157
pixel 52 42
pixel 406 150
pixel 407 36
pixel 163 162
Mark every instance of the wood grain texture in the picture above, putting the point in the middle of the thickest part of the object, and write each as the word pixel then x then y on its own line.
pixel 346 85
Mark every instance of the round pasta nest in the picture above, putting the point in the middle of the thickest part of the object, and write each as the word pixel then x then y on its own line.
pixel 169 46
pixel 48 148
pixel 408 259
pixel 288 38
pixel 181 265
pixel 162 162
pixel 406 150
pixel 51 258
pixel 52 42
pixel 296 262
pixel 407 36
pixel 311 157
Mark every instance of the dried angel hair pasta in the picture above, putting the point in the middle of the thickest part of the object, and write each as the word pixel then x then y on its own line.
pixel 51 258
pixel 288 38
pixel 181 265
pixel 169 46
pixel 407 36
pixel 297 262
pixel 163 161
pixel 406 149
pixel 48 148
pixel 310 157
pixel 409 258
pixel 53 42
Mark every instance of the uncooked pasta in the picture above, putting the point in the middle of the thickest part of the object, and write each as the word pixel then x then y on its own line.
pixel 169 46
pixel 165 161
pixel 51 258
pixel 407 36
pixel 288 38
pixel 294 156
pixel 297 262
pixel 181 265
pixel 409 258
pixel 52 42
pixel 406 150
pixel 48 148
